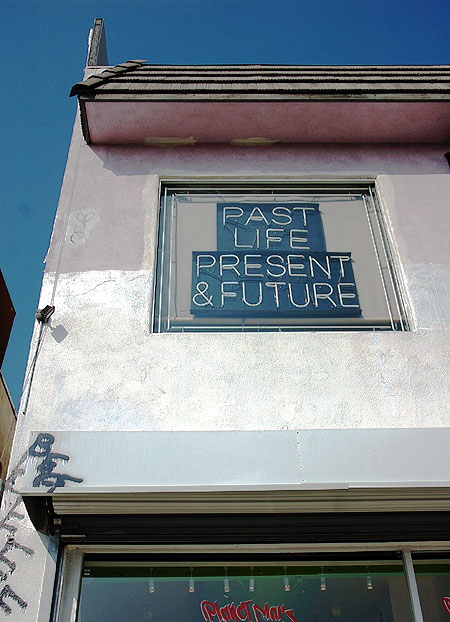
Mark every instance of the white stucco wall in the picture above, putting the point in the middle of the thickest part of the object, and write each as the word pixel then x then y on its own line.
pixel 109 372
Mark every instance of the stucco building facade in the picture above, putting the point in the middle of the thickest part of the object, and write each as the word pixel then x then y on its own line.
pixel 239 398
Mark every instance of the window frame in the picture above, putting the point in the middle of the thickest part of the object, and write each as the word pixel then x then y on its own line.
pixel 383 248
pixel 68 583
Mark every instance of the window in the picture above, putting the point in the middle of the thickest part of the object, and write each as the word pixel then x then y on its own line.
pixel 433 581
pixel 274 257
pixel 143 582
pixel 375 591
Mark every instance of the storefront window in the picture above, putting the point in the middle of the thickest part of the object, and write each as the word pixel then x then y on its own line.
pixel 433 582
pixel 274 258
pixel 292 593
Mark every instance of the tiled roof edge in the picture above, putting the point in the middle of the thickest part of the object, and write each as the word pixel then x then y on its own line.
pixel 143 71
pixel 99 78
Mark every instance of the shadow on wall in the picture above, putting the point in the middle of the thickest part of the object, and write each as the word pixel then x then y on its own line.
pixel 277 159
pixel 59 333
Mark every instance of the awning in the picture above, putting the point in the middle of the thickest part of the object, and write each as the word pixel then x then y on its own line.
pixel 296 472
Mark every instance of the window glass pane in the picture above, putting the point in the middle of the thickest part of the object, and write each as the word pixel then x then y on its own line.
pixel 433 582
pixel 311 593
pixel 278 259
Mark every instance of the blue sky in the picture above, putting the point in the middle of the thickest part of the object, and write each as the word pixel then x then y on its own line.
pixel 43 47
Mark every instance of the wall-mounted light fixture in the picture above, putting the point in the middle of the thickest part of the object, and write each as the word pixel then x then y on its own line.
pixel 43 315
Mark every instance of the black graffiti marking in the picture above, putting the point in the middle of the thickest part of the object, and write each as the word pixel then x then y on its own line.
pixel 80 229
pixel 42 445
pixel 11 543
pixel 59 481
pixel 8 562
pixel 45 470
pixel 12 514
pixel 16 472
pixel 12 566
pixel 7 592
pixel 41 448
pixel 11 528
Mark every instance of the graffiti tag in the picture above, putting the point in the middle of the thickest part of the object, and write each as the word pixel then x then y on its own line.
pixel 7 524
pixel 446 603
pixel 81 228
pixel 45 470
pixel 246 610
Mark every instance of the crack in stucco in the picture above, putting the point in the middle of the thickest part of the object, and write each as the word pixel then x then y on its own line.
pixel 140 276
pixel 95 287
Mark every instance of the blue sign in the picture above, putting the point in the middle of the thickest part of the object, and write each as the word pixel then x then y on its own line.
pixel 269 226
pixel 272 261
pixel 267 284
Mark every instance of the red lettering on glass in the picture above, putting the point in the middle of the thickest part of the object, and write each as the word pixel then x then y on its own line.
pixel 233 613
pixel 224 614
pixel 274 613
pixel 209 610
pixel 243 612
pixel 264 611
pixel 290 614
pixel 446 603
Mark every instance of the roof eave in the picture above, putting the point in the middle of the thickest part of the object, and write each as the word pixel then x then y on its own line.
pixel 207 92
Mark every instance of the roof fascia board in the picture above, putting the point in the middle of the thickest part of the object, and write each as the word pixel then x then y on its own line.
pixel 268 96
pixel 84 123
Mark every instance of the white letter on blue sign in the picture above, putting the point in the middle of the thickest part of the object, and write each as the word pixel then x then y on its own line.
pixel 341 259
pixel 229 266
pixel 292 267
pixel 238 213
pixel 293 238
pixel 205 265
pixel 291 297
pixel 227 294
pixel 325 269
pixel 260 218
pixel 251 266
pixel 275 238
pixel 270 262
pixel 244 299
pixel 304 210
pixel 342 295
pixel 275 293
pixel 255 243
pixel 276 212
pixel 323 296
